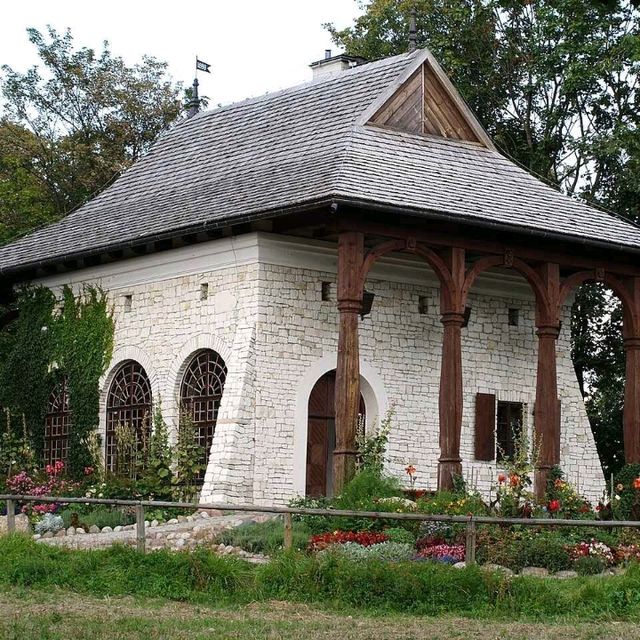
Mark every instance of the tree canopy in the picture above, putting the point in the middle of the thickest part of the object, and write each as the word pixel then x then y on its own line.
pixel 554 82
pixel 72 124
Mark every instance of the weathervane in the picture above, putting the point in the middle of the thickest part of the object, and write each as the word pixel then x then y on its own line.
pixel 194 103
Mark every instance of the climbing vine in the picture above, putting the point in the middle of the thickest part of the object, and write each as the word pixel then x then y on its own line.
pixel 83 346
pixel 25 372
pixel 49 340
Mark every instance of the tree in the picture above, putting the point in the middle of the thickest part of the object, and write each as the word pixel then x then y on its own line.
pixel 555 84
pixel 67 132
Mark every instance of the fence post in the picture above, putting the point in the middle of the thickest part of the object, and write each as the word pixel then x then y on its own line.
pixel 11 516
pixel 470 547
pixel 140 533
pixel 288 531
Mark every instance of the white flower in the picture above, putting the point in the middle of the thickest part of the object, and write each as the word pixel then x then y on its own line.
pixel 617 497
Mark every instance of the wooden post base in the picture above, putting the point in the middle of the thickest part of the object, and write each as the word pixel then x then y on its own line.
pixel 344 469
pixel 447 471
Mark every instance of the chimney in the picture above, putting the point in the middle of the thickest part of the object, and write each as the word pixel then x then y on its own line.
pixel 330 65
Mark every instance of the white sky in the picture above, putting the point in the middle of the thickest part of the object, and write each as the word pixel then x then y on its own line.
pixel 253 46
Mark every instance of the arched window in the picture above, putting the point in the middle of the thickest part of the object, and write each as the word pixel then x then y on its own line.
pixel 200 396
pixel 57 423
pixel 128 405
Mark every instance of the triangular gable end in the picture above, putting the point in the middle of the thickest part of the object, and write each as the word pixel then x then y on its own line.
pixel 426 102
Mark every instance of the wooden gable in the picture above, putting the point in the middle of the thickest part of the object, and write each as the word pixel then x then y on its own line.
pixel 427 103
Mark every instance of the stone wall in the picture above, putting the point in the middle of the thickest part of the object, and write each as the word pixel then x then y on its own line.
pixel 265 315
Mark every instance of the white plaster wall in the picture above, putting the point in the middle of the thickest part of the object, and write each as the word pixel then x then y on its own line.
pixel 265 316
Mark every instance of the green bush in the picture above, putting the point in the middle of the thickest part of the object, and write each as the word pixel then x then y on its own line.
pixel 626 499
pixel 546 550
pixel 264 537
pixel 400 535
pixel 453 504
pixel 383 551
pixel 98 515
pixel 589 565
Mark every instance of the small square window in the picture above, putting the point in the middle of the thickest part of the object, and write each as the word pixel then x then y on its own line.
pixel 423 305
pixel 128 302
pixel 204 290
pixel 509 429
pixel 514 317
pixel 325 291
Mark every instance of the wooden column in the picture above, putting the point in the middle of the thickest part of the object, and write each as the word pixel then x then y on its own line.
pixel 347 395
pixel 450 397
pixel 547 407
pixel 631 415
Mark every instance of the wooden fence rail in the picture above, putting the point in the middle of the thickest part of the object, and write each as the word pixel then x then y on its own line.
pixel 470 521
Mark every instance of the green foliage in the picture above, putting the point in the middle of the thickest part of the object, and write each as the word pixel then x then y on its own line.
pixel 40 347
pixel 453 504
pixel 372 448
pixel 68 132
pixel 400 535
pixel 515 549
pixel 16 453
pixel 626 499
pixel 383 552
pixel 589 566
pixel 409 587
pixel 98 515
pixel 188 458
pixel 264 537
pixel 157 476
pixel 83 346
pixel 25 379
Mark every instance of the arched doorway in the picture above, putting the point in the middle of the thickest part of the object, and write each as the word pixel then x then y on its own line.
pixel 321 436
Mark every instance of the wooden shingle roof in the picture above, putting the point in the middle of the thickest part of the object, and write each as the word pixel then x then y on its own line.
pixel 309 144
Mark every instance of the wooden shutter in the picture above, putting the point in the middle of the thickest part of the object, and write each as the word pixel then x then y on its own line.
pixel 485 443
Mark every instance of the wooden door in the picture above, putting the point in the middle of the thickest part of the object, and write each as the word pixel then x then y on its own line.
pixel 321 435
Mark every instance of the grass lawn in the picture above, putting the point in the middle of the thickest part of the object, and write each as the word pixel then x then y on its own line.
pixel 31 614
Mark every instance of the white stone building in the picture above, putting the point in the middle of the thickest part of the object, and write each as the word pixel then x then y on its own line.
pixel 220 253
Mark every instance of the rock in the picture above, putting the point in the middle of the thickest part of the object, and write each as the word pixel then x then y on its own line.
pixel 107 530
pixel 181 519
pixel 94 529
pixel 146 524
pixel 189 518
pixel 37 536
pixel 459 565
pixel 204 515
pixel 497 567
pixel 172 521
pixel 47 534
pixel 536 572
pixel 71 531
pixel 159 536
pixel 171 536
pixel 180 542
pixel 61 534
pixel 117 529
pixel 80 531
pixel 154 523
pixel 22 524
pixel 564 575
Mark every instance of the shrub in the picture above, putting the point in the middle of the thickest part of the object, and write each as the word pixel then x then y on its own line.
pixel 383 551
pixel 398 534
pixel 453 504
pixel 264 537
pixel 49 523
pixel 589 565
pixel 626 499
pixel 593 549
pixel 544 550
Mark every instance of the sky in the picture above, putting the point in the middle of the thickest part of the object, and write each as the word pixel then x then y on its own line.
pixel 253 46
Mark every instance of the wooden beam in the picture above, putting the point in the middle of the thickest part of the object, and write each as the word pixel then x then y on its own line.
pixel 433 236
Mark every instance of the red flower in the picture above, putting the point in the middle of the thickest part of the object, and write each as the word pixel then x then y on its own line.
pixel 514 480
pixel 410 470
pixel 554 506
pixel 636 483
pixel 364 538
pixel 88 471
pixel 501 478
